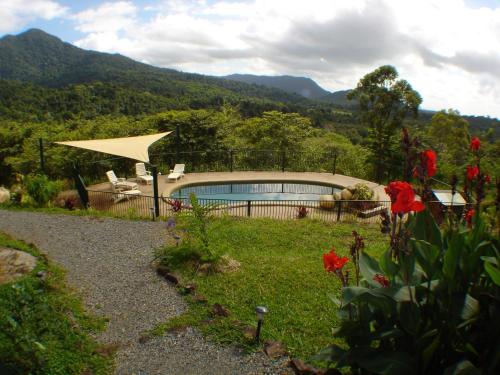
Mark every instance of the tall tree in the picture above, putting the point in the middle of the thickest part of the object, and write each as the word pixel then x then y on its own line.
pixel 384 102
pixel 448 133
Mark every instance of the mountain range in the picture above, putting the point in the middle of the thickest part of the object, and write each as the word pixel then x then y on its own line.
pixel 303 86
pixel 38 69
pixel 37 57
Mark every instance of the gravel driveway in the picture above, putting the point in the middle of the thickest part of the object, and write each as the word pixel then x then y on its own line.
pixel 107 260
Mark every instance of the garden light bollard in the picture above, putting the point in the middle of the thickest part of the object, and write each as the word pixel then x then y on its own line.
pixel 261 311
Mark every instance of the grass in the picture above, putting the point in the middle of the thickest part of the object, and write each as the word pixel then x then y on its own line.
pixel 43 326
pixel 281 268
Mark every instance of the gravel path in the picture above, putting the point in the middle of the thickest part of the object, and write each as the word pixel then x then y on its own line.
pixel 107 260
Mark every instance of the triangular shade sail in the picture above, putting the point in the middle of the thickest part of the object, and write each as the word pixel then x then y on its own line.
pixel 130 147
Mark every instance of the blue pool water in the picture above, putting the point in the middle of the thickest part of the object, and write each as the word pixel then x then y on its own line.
pixel 256 191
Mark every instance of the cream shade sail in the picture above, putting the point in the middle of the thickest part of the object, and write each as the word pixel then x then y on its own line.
pixel 130 147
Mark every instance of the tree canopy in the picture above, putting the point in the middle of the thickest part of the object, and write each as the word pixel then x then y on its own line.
pixel 384 102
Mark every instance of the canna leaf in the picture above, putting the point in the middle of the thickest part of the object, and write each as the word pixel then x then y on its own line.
pixel 492 271
pixel 369 268
pixel 470 308
pixel 386 363
pixel 424 227
pixel 462 368
pixel 452 257
pixel 387 265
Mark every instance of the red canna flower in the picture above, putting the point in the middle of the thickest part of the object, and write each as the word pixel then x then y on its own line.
pixel 468 217
pixel 394 188
pixel 332 262
pixel 487 179
pixel 403 198
pixel 381 279
pixel 475 144
pixel 472 172
pixel 429 160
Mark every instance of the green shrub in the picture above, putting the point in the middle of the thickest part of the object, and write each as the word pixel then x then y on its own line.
pixel 192 239
pixel 362 192
pixel 41 189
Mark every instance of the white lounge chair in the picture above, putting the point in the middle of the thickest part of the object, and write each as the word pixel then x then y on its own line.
pixel 142 173
pixel 120 183
pixel 126 194
pixel 177 172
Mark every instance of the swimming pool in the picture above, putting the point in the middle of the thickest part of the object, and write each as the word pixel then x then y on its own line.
pixel 256 191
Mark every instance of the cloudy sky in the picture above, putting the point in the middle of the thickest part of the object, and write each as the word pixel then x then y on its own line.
pixel 449 50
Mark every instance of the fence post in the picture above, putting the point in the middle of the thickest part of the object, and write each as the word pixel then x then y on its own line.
pixel 339 209
pixel 249 203
pixel 282 160
pixel 42 158
pixel 156 200
pixel 80 187
pixel 335 162
pixel 231 160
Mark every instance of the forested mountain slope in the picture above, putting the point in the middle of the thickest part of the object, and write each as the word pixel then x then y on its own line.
pixel 37 57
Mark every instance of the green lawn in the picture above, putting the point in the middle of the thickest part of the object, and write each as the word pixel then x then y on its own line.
pixel 281 268
pixel 43 327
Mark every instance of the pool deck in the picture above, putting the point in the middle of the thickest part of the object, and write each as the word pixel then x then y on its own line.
pixel 336 180
pixel 166 187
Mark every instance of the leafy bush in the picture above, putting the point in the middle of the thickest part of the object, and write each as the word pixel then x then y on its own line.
pixel 191 237
pixel 41 189
pixel 362 192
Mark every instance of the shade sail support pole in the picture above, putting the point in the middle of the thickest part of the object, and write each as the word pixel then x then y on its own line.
pixel 156 198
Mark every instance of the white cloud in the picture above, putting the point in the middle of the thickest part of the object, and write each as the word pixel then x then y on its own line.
pixel 107 18
pixel 15 14
pixel 445 49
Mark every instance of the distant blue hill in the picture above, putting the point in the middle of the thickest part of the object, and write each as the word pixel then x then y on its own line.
pixel 303 86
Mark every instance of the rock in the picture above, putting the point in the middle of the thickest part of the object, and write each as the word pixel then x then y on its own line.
pixel 190 288
pixel 274 349
pixel 249 333
pixel 345 194
pixel 165 272
pixel 220 310
pixel 200 298
pixel 337 196
pixel 174 279
pixel 326 201
pixel 162 270
pixel 351 188
pixel 4 195
pixel 301 368
pixel 14 264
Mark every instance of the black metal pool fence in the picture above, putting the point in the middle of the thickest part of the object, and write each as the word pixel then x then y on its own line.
pixel 331 211
pixel 334 211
